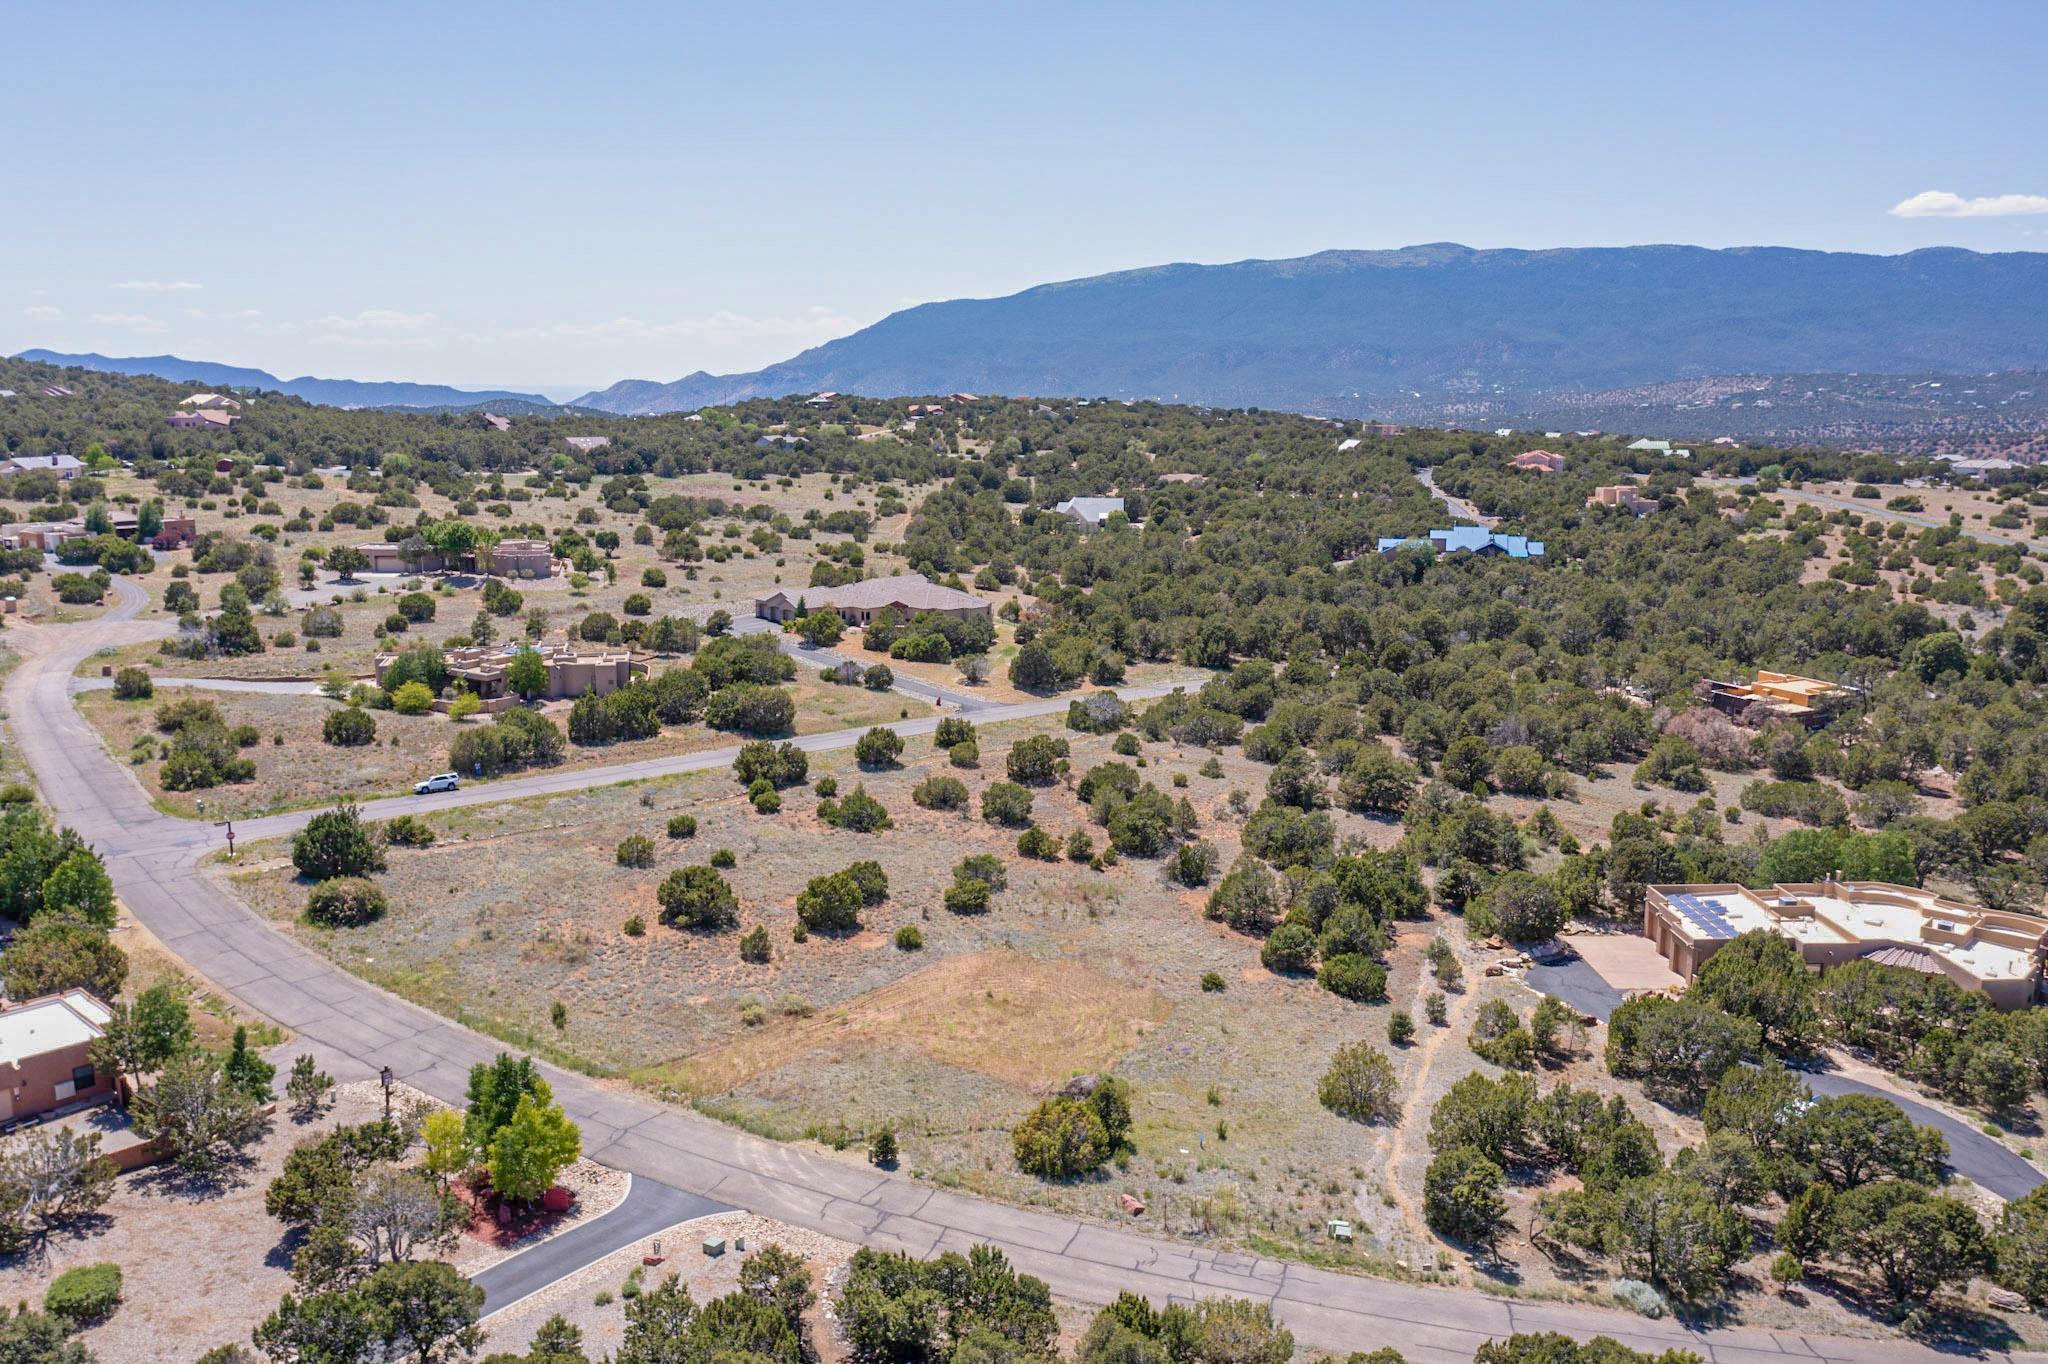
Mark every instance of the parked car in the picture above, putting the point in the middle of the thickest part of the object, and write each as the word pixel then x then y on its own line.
pixel 446 781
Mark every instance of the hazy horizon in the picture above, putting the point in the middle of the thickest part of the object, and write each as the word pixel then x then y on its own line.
pixel 636 192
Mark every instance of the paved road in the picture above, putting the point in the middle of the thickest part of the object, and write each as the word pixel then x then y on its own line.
pixel 269 687
pixel 1459 507
pixel 966 702
pixel 1971 1154
pixel 649 1207
pixel 357 1028
pixel 1877 509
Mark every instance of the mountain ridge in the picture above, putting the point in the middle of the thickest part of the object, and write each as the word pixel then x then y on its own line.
pixel 327 392
pixel 1405 332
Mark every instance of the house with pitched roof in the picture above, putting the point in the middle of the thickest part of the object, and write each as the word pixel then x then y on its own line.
pixel 907 594
pixel 1090 511
pixel 1465 540
pixel 1539 462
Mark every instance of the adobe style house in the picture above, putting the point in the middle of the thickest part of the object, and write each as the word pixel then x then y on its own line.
pixel 1774 696
pixel 44 1066
pixel 1994 952
pixel 506 559
pixel 858 603
pixel 572 671
pixel 1622 495
pixel 1539 461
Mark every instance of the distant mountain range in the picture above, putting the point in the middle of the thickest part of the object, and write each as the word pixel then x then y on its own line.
pixel 1421 332
pixel 331 392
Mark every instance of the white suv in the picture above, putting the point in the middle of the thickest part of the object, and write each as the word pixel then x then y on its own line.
pixel 446 781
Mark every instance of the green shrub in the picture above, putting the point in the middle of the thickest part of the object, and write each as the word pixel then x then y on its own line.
pixel 349 727
pixel 940 793
pixel 345 902
pixel 635 850
pixel 754 946
pixel 908 939
pixel 682 826
pixel 966 753
pixel 968 897
pixel 1212 983
pixel 133 684
pixel 85 1293
pixel 408 831
pixel 723 859
pixel 1354 977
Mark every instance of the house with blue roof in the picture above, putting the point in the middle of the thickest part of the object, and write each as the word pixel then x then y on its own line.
pixel 1466 540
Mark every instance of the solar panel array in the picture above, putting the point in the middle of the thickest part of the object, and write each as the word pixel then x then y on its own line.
pixel 1704 914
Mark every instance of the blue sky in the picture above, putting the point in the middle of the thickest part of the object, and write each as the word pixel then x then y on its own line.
pixel 563 195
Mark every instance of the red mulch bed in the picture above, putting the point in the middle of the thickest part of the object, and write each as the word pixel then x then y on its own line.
pixel 496 1222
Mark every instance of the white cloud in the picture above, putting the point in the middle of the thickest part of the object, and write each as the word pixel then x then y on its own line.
pixel 378 320
pixel 159 286
pixel 1939 203
pixel 137 322
pixel 42 312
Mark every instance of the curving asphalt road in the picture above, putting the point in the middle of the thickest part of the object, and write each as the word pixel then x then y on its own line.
pixel 1971 1154
pixel 356 1028
pixel 649 1206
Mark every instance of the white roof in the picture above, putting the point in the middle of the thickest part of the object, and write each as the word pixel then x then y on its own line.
pixel 25 462
pixel 1091 509
pixel 42 1026
pixel 1349 443
pixel 1647 444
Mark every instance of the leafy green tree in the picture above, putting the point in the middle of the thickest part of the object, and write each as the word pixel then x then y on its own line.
pixel 1760 976
pixel 1060 1139
pixel 2020 1244
pixel 698 898
pixel 204 1121
pixel 1461 1197
pixel 245 1071
pixel 879 747
pixel 57 953
pixel 495 1089
pixel 1359 1084
pixel 1849 1140
pixel 336 843
pixel 141 1037
pixel 1551 1347
pixel 526 674
pixel 531 1149
pixel 79 885
pixel 1678 1048
pixel 1913 1242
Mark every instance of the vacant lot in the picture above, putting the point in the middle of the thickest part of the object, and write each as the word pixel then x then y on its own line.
pixel 296 767
pixel 690 589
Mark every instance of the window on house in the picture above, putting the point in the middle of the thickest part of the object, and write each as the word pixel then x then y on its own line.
pixel 81 1077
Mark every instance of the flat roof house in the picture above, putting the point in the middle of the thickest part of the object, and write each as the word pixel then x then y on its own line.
pixel 1090 511
pixel 858 603
pixel 44 1064
pixel 508 559
pixel 1994 952
pixel 572 671
pixel 1774 696
pixel 1622 495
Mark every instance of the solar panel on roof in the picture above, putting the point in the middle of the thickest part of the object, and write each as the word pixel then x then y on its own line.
pixel 1704 915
